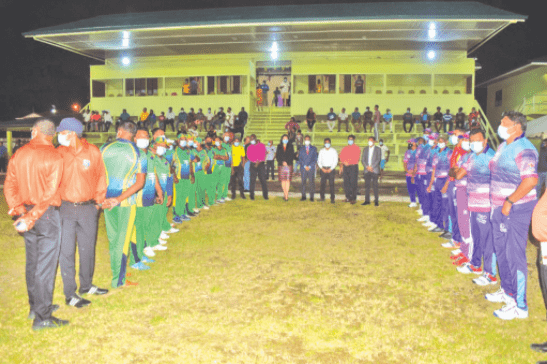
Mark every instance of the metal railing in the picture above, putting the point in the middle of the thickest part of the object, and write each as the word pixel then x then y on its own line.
pixel 491 134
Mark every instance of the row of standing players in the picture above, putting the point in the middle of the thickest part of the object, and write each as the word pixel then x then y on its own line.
pixel 482 201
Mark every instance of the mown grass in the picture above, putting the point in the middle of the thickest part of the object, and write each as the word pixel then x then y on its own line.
pixel 277 282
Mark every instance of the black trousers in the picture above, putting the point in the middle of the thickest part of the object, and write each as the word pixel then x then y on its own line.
pixel 107 127
pixel 308 178
pixel 411 126
pixel 350 181
pixel 42 245
pixel 340 122
pixel 371 177
pixel 258 170
pixel 450 125
pixel 78 223
pixel 239 130
pixel 169 122
pixel 270 168
pixel 311 123
pixel 460 124
pixel 324 177
pixel 438 125
pixel 3 165
pixel 237 177
pixel 424 123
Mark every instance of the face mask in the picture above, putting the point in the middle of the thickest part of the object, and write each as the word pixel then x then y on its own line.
pixel 431 142
pixel 381 143
pixel 409 146
pixel 503 132
pixel 236 144
pixel 454 140
pixel 209 144
pixel 63 140
pixel 171 147
pixel 477 147
pixel 285 141
pixel 182 143
pixel 217 144
pixel 226 139
pixel 350 142
pixel 370 143
pixel 190 143
pixel 327 145
pixel 143 143
pixel 465 145
pixel 307 142
pixel 441 145
pixel 425 136
pixel 161 150
pixel 253 142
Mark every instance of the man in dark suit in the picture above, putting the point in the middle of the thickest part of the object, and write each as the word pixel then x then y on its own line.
pixel 307 158
pixel 370 158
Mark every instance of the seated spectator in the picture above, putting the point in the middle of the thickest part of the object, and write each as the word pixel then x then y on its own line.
pixel 356 119
pixel 191 119
pixel 211 133
pixel 229 122
pixel 107 121
pixel 367 119
pixel 208 119
pixel 343 119
pixel 143 118
pixel 408 118
pixel 161 121
pixel 200 119
pixel 95 119
pixel 438 119
pixel 310 119
pixel 331 120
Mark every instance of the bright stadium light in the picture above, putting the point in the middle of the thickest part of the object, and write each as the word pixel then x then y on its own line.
pixel 432 31
pixel 53 109
pixel 431 55
pixel 126 61
pixel 274 55
pixel 125 42
pixel 273 51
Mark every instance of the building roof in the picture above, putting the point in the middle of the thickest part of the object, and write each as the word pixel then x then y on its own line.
pixel 533 64
pixel 385 25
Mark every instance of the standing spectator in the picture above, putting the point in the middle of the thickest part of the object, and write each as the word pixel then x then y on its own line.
pixel 359 83
pixel 238 163
pixel 285 89
pixel 264 87
pixel 143 118
pixel 87 119
pixel 193 86
pixel 343 119
pixel 241 122
pixel 83 190
pixel 183 116
pixel 331 120
pixel 32 193
pixel 368 119
pixel 256 153
pixel 170 119
pixel 307 158
pixel 208 119
pixel 186 87
pixel 410 166
pixel 230 119
pixel 299 141
pixel 247 166
pixel 513 195
pixel 277 101
pixel 388 118
pixel 377 120
pixel 370 159
pixel 18 144
pixel 438 119
pixel 356 120
pixel 447 119
pixel 385 157
pixel 539 219
pixel 270 159
pixel 425 119
pixel 285 157
pixel 349 159
pixel 327 162
pixel 472 118
pixel 542 167
pixel 408 118
pixel 310 119
pixel 318 87
pixel 259 97
pixel 460 119
pixel 161 121
pixel 124 116
pixel 3 157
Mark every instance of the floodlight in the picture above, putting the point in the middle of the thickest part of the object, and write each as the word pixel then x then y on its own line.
pixel 126 61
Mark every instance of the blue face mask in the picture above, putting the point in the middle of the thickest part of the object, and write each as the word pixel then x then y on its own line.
pixel 285 141
pixel 350 142
pixel 236 144
pixel 327 145
pixel 190 143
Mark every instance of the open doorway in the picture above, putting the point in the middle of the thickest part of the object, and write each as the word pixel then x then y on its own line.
pixel 273 86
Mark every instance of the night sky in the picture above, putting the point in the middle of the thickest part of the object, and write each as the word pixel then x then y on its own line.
pixel 35 76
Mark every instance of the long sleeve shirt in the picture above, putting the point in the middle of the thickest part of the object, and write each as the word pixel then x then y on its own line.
pixel 285 153
pixel 328 158
pixel 256 153
pixel 33 178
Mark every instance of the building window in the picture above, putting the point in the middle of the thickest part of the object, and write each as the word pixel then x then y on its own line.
pixel 499 98
pixel 227 85
pixel 447 84
pixel 210 85
pixel 129 87
pixel 107 88
pixel 412 84
pixel 98 89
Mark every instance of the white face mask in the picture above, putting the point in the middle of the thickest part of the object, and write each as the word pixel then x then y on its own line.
pixel 217 144
pixel 503 132
pixel 465 145
pixel 160 150
pixel 226 139
pixel 253 142
pixel 431 142
pixel 327 145
pixel 307 142
pixel 143 143
pixel 350 142
pixel 63 140
pixel 454 140
pixel 441 145
pixel 190 143
pixel 370 143
pixel 182 143
pixel 477 147
pixel 170 146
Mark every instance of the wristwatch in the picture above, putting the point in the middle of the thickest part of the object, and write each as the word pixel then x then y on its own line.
pixel 508 200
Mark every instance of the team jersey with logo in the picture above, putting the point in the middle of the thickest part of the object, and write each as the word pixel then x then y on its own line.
pixel 169 156
pixel 147 195
pixel 478 180
pixel 210 155
pixel 123 162
pixel 203 158
pixel 228 148
pixel 181 161
pixel 163 171
pixel 441 162
pixel 422 155
pixel 410 160
pixel 430 157
pixel 223 153
pixel 462 182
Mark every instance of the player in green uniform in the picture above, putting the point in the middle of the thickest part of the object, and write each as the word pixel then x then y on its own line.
pixel 126 174
pixel 210 177
pixel 220 156
pixel 193 185
pixel 200 166
pixel 183 176
pixel 226 172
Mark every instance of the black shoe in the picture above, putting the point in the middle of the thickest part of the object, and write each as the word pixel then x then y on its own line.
pixel 322 199
pixel 242 196
pixel 190 214
pixel 311 200
pixel 303 199
pixel 542 348
pixel 376 204
pixel 95 291
pixel 50 323
pixel 32 315
pixel 437 230
pixel 77 301
pixel 233 196
pixel 332 201
pixel 365 203
pixel 447 235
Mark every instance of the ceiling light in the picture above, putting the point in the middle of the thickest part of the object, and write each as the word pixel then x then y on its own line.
pixel 431 55
pixel 126 61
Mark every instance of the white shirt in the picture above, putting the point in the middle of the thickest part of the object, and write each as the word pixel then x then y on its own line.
pixel 327 158
pixel 87 117
pixel 384 151
pixel 343 116
pixel 107 118
pixel 210 116
pixel 284 87
pixel 170 115
pixel 370 151
pixel 229 119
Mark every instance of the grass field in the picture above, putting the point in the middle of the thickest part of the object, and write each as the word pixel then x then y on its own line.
pixel 276 282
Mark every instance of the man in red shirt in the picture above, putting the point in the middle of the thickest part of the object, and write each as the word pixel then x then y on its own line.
pixel 83 191
pixel 349 168
pixel 256 153
pixel 32 193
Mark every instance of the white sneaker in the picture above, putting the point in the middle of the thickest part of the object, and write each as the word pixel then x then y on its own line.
pixel 456 252
pixel 431 226
pixel 467 268
pixel 149 251
pixel 173 230
pixel 423 219
pixel 196 210
pixel 413 204
pixel 420 212
pixel 220 201
pixel 205 207
pixel 484 280
pixel 511 311
pixel 498 296
pixel 164 235
pixel 162 242
pixel 159 247
pixel 226 198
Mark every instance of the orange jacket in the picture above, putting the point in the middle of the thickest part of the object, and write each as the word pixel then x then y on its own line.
pixel 33 178
pixel 84 174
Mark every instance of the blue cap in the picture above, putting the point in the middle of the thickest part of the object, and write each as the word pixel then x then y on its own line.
pixel 71 124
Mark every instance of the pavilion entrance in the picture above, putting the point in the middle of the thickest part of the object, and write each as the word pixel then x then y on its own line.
pixel 277 75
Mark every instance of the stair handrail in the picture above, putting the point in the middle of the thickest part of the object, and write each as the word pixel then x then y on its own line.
pixel 491 134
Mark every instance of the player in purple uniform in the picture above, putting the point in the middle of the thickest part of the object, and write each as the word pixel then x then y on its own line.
pixel 513 179
pixel 409 162
pixel 438 186
pixel 421 161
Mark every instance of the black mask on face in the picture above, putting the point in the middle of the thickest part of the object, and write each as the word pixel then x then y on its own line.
pixel 209 144
pixel 409 146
